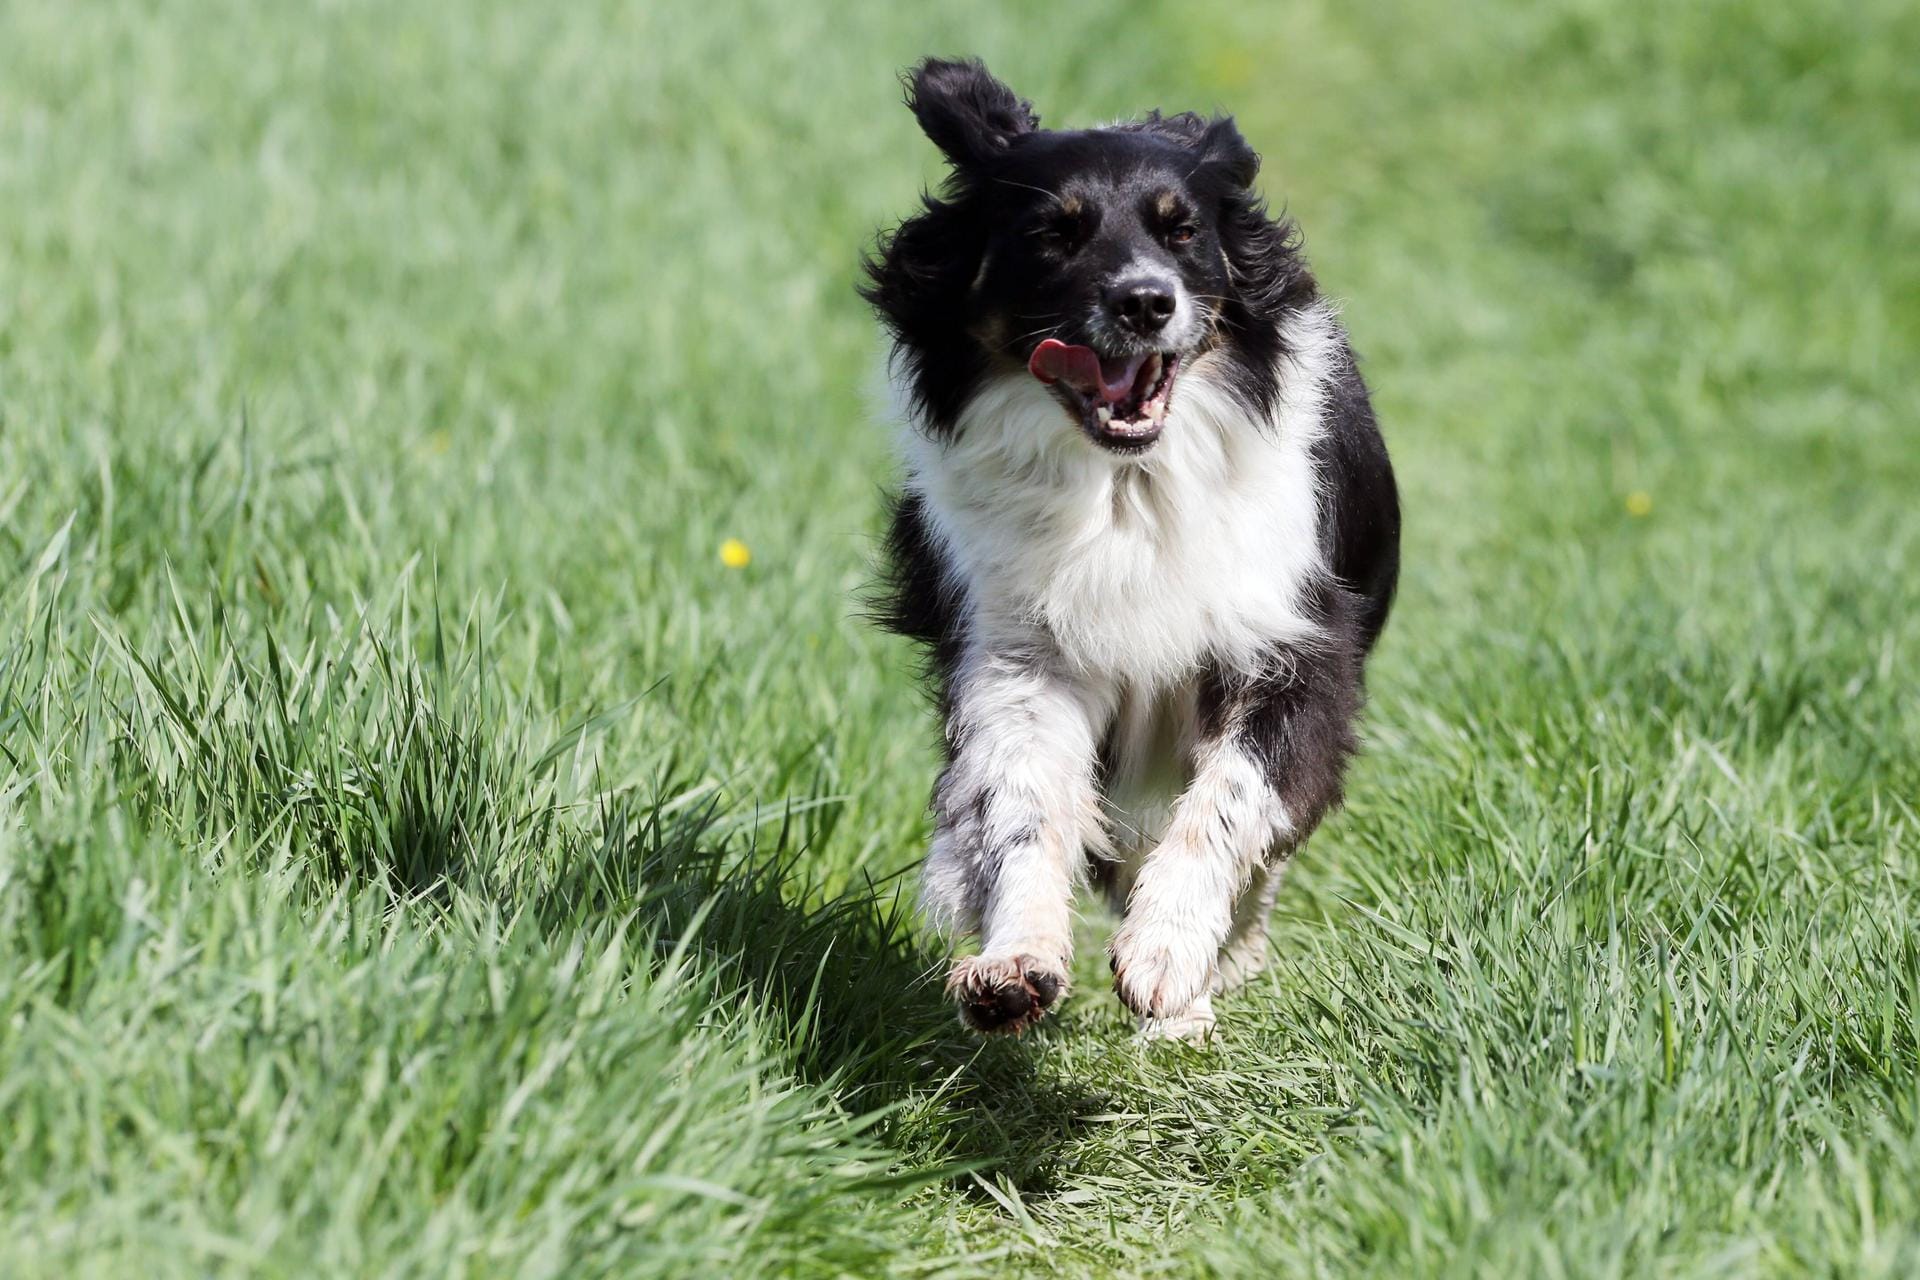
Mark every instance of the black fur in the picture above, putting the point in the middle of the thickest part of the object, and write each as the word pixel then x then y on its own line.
pixel 1010 252
pixel 1297 715
pixel 1003 204
pixel 966 112
pixel 1360 506
pixel 916 597
pixel 1004 171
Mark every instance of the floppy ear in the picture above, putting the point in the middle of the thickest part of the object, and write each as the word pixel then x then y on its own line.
pixel 1222 146
pixel 969 115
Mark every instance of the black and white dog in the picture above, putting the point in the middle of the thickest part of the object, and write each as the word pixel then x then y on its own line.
pixel 1147 536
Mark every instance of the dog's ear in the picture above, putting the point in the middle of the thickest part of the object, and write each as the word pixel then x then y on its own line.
pixel 969 115
pixel 1217 140
pixel 1227 152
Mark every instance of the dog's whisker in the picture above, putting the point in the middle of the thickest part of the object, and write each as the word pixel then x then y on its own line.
pixel 1053 196
pixel 1031 333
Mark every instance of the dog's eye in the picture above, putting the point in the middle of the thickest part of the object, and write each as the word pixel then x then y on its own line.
pixel 1063 234
pixel 1182 234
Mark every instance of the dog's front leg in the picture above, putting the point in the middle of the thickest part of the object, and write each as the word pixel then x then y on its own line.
pixel 1267 767
pixel 1013 814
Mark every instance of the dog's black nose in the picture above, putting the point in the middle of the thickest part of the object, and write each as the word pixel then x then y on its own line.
pixel 1144 306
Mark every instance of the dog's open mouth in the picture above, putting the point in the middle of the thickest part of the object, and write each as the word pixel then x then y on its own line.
pixel 1122 400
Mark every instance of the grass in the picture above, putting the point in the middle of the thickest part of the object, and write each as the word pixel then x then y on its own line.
pixel 421 855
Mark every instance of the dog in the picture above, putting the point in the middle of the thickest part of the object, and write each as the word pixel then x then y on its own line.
pixel 1147 536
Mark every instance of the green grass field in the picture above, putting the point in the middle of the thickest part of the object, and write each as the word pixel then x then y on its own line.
pixel 421 855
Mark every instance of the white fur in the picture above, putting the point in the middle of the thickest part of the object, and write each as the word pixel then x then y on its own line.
pixel 1136 567
pixel 1181 911
pixel 1016 807
pixel 1096 585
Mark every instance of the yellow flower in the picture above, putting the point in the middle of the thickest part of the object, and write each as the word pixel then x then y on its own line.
pixel 734 554
pixel 1639 503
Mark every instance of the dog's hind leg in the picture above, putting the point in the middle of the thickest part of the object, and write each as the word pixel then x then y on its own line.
pixel 1244 953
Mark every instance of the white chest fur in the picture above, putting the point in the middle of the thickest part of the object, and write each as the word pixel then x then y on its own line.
pixel 1137 569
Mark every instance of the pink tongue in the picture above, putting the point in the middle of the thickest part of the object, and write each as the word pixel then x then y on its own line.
pixel 1082 369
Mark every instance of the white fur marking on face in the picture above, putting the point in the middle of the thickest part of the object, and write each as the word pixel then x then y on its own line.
pixel 1144 269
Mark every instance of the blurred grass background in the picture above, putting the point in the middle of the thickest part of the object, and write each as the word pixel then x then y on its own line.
pixel 420 854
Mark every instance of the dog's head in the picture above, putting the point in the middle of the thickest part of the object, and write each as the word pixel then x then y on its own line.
pixel 1102 262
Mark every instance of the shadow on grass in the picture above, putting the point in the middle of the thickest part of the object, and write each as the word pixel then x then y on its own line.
pixel 379 767
pixel 856 997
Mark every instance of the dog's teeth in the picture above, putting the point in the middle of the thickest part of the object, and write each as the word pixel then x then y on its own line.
pixel 1105 414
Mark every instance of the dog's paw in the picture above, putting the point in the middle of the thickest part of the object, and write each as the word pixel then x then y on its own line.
pixel 1007 992
pixel 1160 970
pixel 1195 1026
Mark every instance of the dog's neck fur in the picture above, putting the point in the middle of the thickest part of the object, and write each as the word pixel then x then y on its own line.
pixel 1137 570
